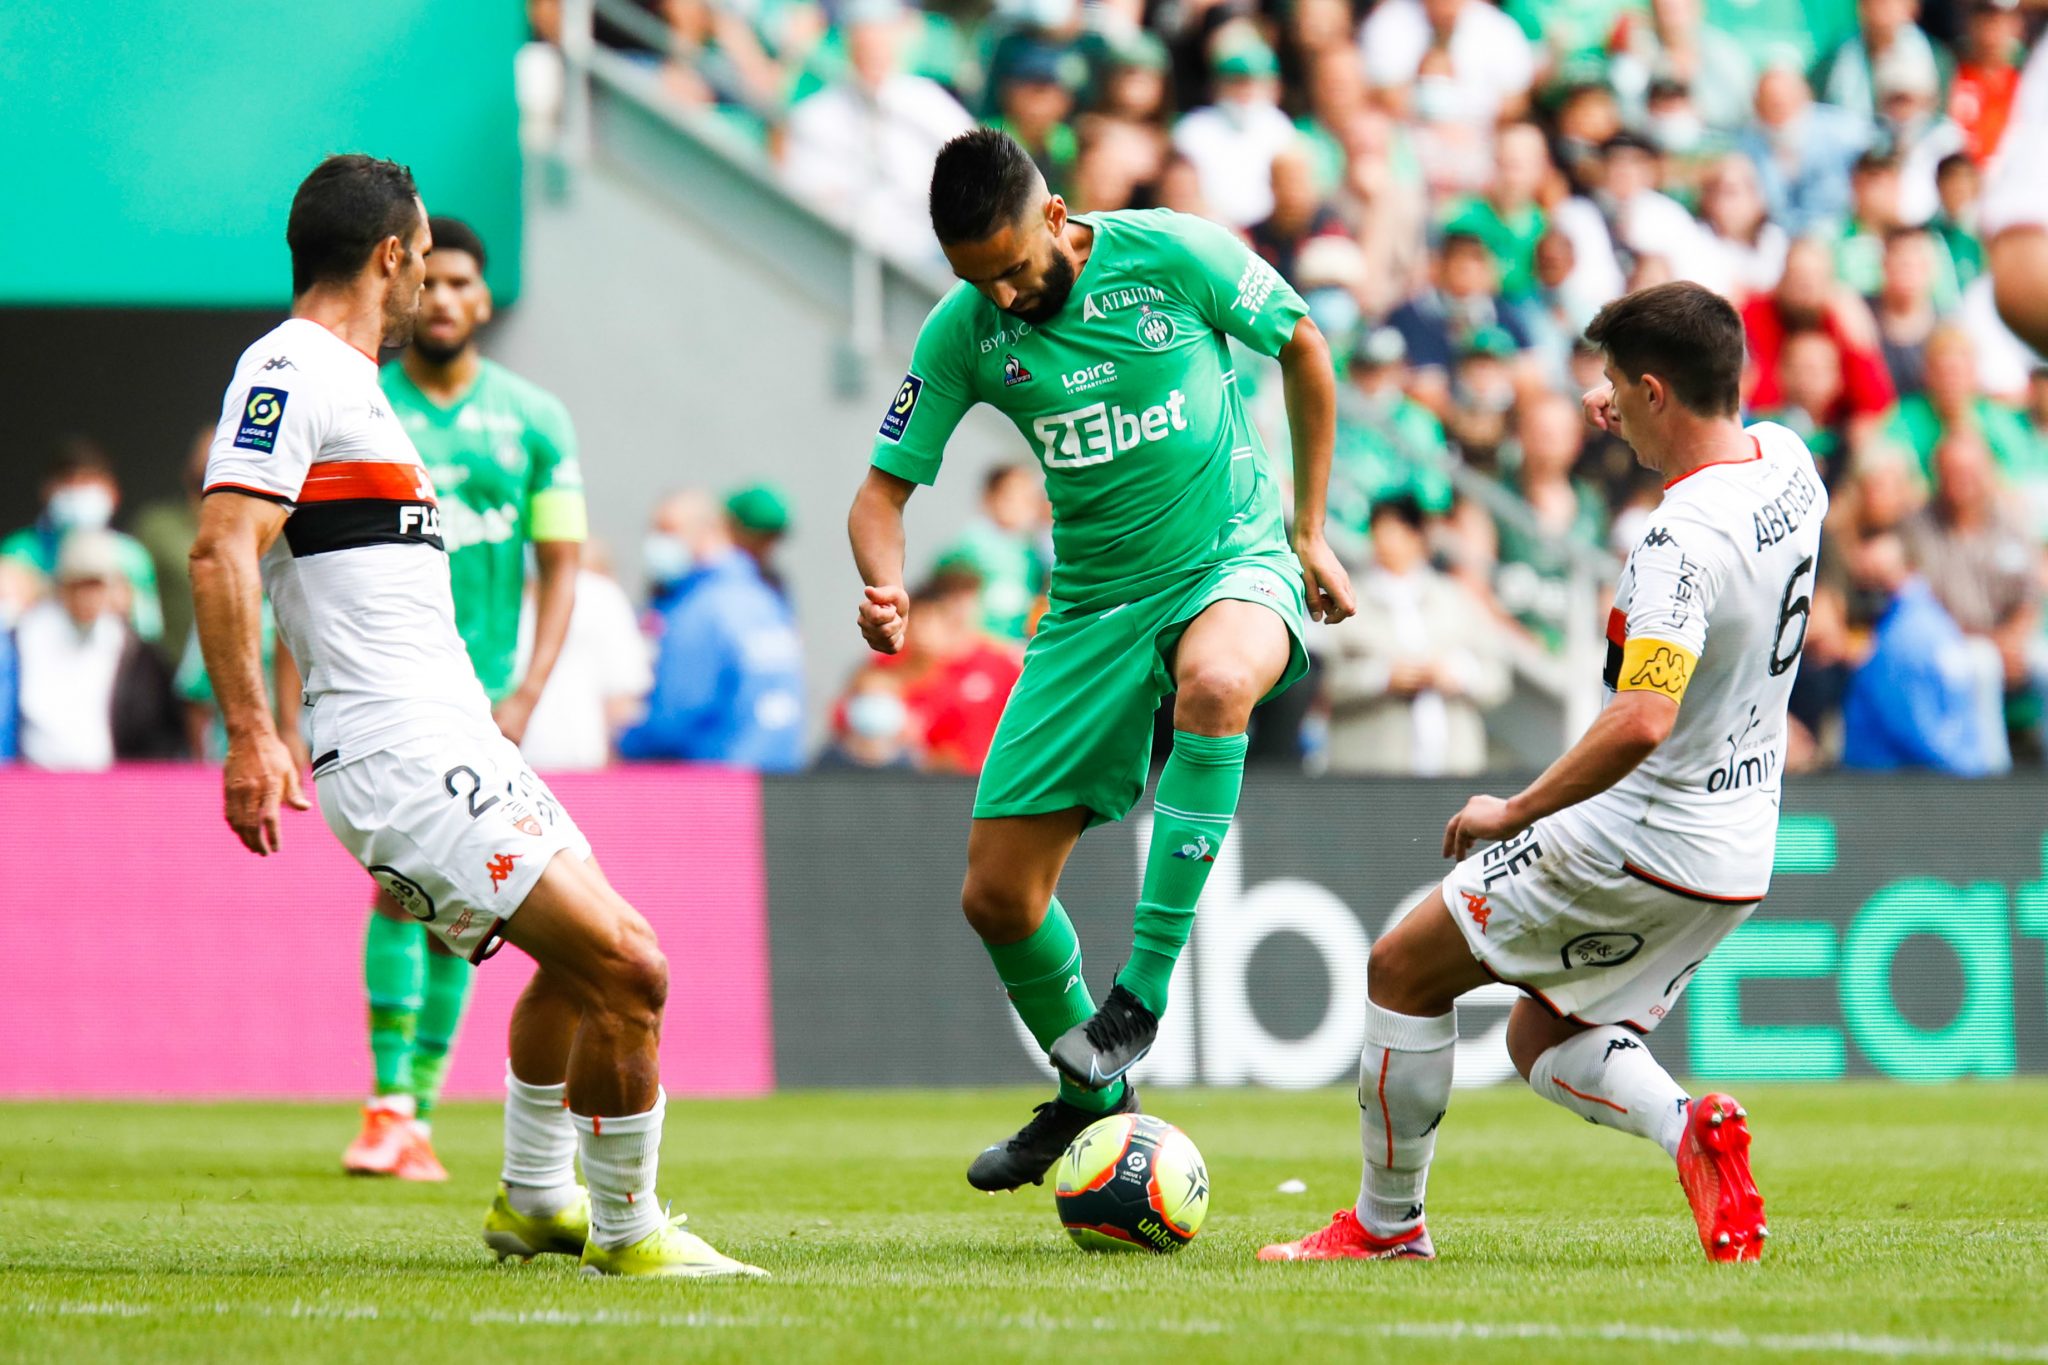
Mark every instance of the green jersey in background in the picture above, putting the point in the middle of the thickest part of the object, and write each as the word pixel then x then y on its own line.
pixel 503 462
pixel 1127 397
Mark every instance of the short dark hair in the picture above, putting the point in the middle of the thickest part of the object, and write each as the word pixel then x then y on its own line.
pixel 1950 164
pixel 1688 336
pixel 1405 508
pixel 342 210
pixel 981 183
pixel 79 456
pixel 452 234
pixel 1902 232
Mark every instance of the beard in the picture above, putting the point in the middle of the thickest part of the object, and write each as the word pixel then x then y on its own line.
pixel 1052 294
pixel 437 352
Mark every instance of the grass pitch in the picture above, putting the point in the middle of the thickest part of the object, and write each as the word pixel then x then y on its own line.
pixel 1907 1223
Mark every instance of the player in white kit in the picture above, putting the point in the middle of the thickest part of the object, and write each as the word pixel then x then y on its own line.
pixel 315 494
pixel 1615 873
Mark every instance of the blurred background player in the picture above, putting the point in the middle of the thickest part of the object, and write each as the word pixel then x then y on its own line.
pixel 502 457
pixel 1616 872
pixel 1104 339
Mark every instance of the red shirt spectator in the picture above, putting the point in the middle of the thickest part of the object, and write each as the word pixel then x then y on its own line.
pixel 1807 299
pixel 956 705
pixel 1980 97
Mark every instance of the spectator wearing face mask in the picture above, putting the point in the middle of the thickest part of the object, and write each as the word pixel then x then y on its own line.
pixel 91 692
pixel 1911 121
pixel 80 493
pixel 1644 221
pixel 1487 73
pixel 874 731
pixel 1482 395
pixel 728 675
pixel 668 553
pixel 1232 143
pixel 1888 32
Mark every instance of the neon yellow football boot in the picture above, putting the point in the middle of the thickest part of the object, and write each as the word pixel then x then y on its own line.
pixel 668 1250
pixel 509 1232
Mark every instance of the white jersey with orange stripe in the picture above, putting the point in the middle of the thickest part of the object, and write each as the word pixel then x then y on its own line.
pixel 358 580
pixel 1711 610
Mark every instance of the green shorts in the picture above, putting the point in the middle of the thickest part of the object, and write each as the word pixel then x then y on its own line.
pixel 1078 727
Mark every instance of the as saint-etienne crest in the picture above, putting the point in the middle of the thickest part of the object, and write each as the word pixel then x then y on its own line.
pixel 1155 330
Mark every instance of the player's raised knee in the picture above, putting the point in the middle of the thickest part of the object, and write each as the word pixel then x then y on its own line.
pixel 998 913
pixel 1216 696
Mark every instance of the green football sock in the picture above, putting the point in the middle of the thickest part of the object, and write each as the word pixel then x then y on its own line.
pixel 394 965
pixel 447 994
pixel 1193 806
pixel 1043 976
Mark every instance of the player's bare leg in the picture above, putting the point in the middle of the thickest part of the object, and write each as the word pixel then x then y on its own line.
pixel 1013 868
pixel 1229 656
pixel 600 967
pixel 1606 1075
pixel 1417 971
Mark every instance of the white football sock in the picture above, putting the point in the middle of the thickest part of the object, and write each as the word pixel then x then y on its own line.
pixel 1606 1076
pixel 620 1156
pixel 540 1148
pixel 1404 1087
pixel 402 1105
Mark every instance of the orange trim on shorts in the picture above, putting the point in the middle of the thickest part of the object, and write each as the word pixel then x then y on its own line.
pixel 1388 1119
pixel 1540 998
pixel 1675 889
pixel 385 480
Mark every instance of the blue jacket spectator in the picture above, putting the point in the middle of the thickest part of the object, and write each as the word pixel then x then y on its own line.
pixel 728 683
pixel 1917 702
pixel 1803 152
pixel 10 698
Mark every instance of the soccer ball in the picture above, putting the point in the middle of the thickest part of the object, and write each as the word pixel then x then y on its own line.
pixel 1131 1182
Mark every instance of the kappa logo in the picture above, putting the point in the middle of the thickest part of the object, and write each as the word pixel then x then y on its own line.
pixel 500 867
pixel 1657 539
pixel 1014 372
pixel 1615 1045
pixel 1200 851
pixel 1477 908
pixel 278 362
pixel 1665 671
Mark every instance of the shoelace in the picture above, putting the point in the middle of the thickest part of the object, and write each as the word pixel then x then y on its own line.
pixel 1041 1117
pixel 1113 1026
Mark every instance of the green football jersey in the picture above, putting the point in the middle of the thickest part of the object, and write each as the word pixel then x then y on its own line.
pixel 503 462
pixel 1127 398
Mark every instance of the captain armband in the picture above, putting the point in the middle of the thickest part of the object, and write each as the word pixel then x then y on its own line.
pixel 1652 665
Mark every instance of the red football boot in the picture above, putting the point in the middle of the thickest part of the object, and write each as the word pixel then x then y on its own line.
pixel 377 1150
pixel 1346 1239
pixel 1713 1166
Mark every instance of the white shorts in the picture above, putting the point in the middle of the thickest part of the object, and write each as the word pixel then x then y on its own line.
pixel 1561 913
pixel 455 827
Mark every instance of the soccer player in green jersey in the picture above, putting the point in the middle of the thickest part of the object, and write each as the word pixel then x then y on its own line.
pixel 1104 338
pixel 502 457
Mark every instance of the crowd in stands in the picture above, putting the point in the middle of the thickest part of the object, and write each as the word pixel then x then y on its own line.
pixel 1455 187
